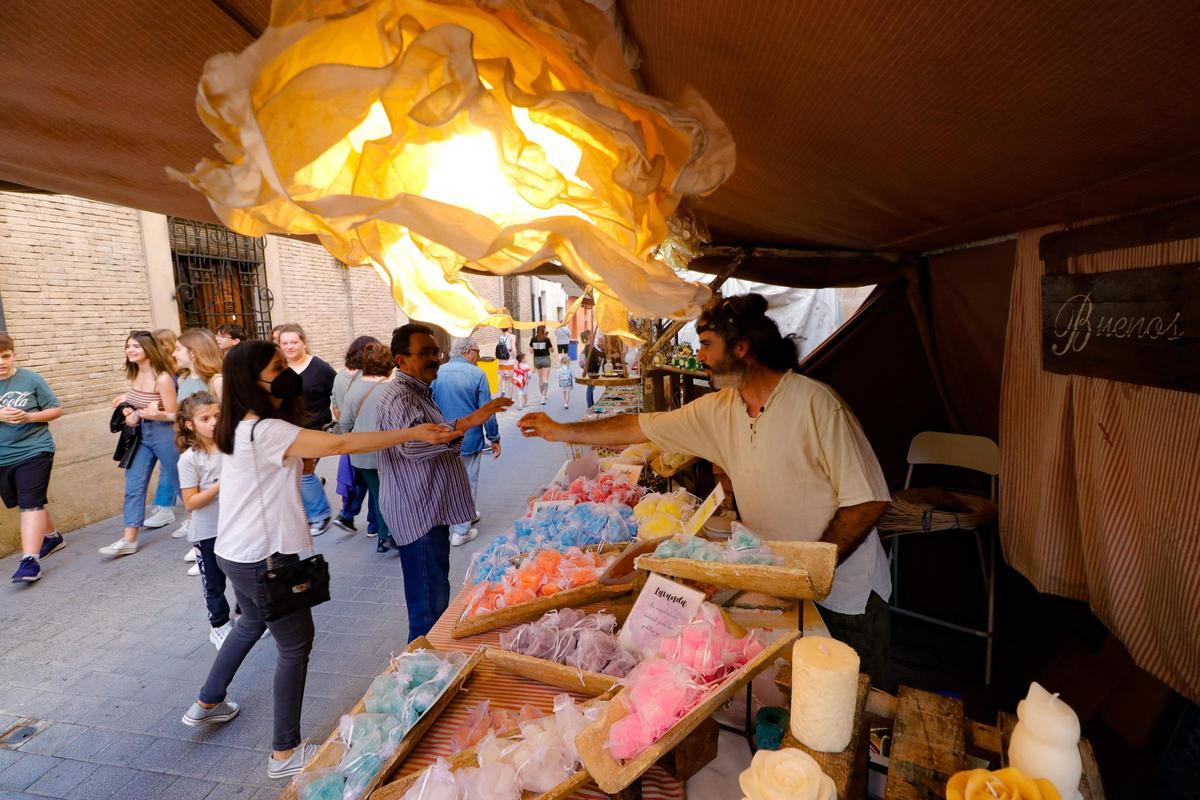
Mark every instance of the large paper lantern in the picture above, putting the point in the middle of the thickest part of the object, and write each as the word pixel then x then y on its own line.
pixel 424 136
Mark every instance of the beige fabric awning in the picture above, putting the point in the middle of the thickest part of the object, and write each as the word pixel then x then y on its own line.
pixel 894 127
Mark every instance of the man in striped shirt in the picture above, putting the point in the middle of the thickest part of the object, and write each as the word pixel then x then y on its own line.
pixel 423 487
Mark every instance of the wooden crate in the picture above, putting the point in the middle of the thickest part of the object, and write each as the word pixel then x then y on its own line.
pixel 806 572
pixel 931 737
pixel 612 775
pixel 602 687
pixel 534 609
pixel 332 750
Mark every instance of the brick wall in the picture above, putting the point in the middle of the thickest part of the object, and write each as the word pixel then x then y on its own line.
pixel 316 290
pixel 73 281
pixel 372 311
pixel 333 303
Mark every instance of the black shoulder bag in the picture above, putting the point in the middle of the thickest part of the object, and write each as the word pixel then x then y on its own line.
pixel 291 585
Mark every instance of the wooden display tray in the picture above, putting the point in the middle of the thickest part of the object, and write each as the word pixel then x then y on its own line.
pixel 613 776
pixel 533 609
pixel 601 688
pixel 806 574
pixel 332 750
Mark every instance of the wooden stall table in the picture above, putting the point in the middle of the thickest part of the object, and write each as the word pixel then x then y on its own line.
pixel 606 381
pixel 505 690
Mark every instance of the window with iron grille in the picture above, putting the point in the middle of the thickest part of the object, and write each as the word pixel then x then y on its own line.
pixel 220 277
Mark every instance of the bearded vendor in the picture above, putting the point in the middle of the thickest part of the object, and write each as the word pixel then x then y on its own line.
pixel 800 465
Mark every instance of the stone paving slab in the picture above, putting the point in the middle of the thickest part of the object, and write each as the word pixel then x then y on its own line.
pixel 111 651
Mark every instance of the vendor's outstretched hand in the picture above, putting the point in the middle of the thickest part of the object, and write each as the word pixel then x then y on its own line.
pixel 539 425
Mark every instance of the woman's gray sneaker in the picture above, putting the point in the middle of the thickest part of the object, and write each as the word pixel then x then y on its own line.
pixel 198 715
pixel 293 764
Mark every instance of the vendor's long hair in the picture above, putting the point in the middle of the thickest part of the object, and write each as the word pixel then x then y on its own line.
pixel 744 319
pixel 242 393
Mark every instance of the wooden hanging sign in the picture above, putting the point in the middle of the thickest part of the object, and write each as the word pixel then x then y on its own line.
pixel 1138 326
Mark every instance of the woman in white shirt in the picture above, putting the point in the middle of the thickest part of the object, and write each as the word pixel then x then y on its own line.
pixel 262 516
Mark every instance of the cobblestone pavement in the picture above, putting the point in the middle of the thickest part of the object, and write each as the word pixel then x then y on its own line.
pixel 109 652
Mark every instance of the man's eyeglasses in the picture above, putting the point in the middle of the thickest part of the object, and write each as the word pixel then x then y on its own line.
pixel 426 352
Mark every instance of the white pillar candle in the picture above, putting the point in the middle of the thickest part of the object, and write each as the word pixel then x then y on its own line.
pixel 1045 741
pixel 824 692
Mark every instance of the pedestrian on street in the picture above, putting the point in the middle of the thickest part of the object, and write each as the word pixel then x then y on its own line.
pixel 591 360
pixel 261 517
pixel 562 337
pixel 200 483
pixel 566 379
pixel 359 412
pixel 166 490
pixel 150 405
pixel 424 486
pixel 351 486
pixel 541 347
pixel 521 375
pixel 229 336
pixel 198 357
pixel 199 360
pixel 506 359
pixel 27 405
pixel 462 388
pixel 318 378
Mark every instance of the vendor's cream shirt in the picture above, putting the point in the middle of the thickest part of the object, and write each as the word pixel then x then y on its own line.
pixel 792 468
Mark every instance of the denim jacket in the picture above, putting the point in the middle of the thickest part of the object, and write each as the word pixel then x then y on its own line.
pixel 460 389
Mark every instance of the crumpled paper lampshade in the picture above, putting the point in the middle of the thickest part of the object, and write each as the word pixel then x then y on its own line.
pixel 424 136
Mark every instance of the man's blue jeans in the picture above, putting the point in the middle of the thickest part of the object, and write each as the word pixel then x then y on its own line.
pixel 426 567
pixel 472 463
pixel 312 494
pixel 157 445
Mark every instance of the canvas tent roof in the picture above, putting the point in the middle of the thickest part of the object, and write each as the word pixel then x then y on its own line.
pixel 860 125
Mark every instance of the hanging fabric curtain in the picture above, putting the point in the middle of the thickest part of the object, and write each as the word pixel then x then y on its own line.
pixel 422 136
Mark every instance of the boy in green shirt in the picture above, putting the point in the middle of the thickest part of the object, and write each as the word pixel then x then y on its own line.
pixel 27 404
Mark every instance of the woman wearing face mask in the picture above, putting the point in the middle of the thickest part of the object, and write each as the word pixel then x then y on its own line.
pixel 261 516
pixel 149 403
pixel 318 378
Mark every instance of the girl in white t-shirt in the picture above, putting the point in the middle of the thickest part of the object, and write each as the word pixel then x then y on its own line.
pixel 261 516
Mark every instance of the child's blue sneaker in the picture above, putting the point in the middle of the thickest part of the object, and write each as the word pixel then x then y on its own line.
pixel 52 544
pixel 28 571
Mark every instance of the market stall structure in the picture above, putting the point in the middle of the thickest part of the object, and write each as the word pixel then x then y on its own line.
pixel 996 172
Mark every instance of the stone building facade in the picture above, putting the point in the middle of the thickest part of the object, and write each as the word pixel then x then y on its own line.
pixel 76 276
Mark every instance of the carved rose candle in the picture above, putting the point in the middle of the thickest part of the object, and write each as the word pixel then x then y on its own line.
pixel 787 774
pixel 824 691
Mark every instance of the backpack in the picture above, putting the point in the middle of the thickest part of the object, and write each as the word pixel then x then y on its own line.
pixel 502 350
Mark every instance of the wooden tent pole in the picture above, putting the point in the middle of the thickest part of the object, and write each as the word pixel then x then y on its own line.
pixel 920 311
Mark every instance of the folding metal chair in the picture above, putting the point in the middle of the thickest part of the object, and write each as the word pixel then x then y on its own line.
pixel 978 453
